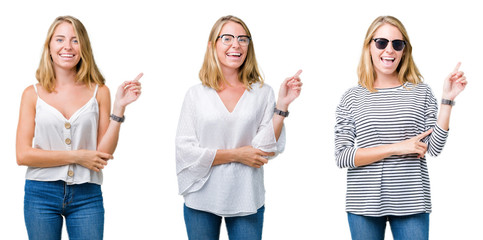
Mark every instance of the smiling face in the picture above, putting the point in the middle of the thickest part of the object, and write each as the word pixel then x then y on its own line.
pixel 64 47
pixel 231 57
pixel 386 60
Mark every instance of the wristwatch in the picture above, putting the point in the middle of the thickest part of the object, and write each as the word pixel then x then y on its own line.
pixel 448 102
pixel 281 113
pixel 118 119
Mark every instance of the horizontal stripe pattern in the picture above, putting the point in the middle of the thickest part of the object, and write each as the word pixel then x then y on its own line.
pixel 397 185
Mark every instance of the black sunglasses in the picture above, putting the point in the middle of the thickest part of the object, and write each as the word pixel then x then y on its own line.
pixel 381 43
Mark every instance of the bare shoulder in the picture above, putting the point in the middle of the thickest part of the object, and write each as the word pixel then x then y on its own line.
pixel 29 95
pixel 103 89
pixel 103 94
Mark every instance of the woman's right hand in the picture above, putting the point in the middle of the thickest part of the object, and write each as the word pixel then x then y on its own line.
pixel 93 160
pixel 252 157
pixel 412 145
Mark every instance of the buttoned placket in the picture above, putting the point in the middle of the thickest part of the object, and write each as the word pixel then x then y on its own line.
pixel 68 147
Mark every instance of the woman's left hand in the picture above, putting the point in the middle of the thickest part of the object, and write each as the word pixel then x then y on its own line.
pixel 289 91
pixel 454 84
pixel 128 92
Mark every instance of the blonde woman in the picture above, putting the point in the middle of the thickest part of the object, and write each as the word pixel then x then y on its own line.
pixel 384 127
pixel 229 126
pixel 66 115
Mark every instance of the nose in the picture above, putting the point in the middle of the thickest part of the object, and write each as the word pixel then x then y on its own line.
pixel 67 45
pixel 389 48
pixel 235 43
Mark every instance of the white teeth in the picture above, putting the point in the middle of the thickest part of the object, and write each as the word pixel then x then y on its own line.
pixel 234 54
pixel 66 55
pixel 386 58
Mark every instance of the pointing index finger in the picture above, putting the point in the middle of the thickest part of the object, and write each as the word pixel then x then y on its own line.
pixel 297 74
pixel 138 77
pixel 424 134
pixel 456 69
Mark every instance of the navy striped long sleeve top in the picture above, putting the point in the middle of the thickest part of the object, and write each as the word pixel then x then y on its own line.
pixel 397 185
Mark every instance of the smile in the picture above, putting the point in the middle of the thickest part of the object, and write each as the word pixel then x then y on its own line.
pixel 67 55
pixel 384 59
pixel 234 54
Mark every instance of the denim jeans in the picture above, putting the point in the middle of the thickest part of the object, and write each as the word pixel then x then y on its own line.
pixel 46 203
pixel 411 227
pixel 202 225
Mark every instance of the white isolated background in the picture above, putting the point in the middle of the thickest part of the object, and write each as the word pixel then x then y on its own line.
pixel 166 40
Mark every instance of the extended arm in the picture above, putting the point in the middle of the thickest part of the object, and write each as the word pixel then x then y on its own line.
pixel 108 134
pixel 454 84
pixel 289 91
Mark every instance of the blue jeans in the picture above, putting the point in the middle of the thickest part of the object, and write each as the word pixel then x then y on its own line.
pixel 46 203
pixel 411 227
pixel 202 225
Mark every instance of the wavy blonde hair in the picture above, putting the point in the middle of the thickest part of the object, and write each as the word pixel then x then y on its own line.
pixel 407 70
pixel 211 74
pixel 86 70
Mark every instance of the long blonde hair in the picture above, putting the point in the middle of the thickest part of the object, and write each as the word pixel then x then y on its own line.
pixel 407 70
pixel 211 74
pixel 86 70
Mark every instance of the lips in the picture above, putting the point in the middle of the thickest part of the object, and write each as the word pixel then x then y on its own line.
pixel 387 60
pixel 233 54
pixel 66 55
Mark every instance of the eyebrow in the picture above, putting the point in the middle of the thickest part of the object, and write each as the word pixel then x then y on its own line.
pixel 62 36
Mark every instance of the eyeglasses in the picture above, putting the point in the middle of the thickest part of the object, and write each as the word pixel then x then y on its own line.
pixel 381 43
pixel 227 39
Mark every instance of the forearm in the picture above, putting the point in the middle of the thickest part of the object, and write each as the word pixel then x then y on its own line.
pixel 246 155
pixel 366 156
pixel 224 156
pixel 278 120
pixel 444 116
pixel 34 157
pixel 108 142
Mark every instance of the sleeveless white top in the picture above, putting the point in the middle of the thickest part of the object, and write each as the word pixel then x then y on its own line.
pixel 54 132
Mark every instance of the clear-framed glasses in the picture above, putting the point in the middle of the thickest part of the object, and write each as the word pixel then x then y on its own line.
pixel 227 39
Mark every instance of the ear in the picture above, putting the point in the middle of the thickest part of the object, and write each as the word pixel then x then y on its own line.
pixel 209 45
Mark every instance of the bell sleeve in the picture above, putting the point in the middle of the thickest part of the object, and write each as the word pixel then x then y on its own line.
pixel 265 139
pixel 193 162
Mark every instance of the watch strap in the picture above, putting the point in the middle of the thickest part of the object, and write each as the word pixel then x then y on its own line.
pixel 448 102
pixel 117 118
pixel 280 112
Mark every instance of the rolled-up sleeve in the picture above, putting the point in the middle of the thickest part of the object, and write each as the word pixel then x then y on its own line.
pixel 193 163
pixel 345 135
